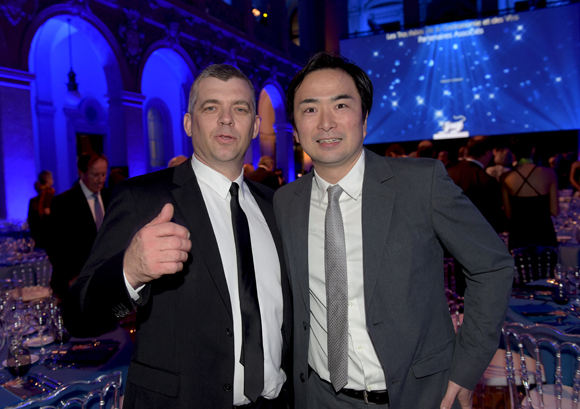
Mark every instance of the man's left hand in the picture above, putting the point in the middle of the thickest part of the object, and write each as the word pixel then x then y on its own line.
pixel 464 396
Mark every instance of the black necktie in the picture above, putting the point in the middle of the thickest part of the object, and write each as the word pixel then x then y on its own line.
pixel 252 356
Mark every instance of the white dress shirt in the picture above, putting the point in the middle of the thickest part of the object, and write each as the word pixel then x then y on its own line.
pixel 215 189
pixel 364 368
pixel 91 199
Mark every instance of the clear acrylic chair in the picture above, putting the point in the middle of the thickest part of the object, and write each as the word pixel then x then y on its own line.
pixel 102 393
pixel 534 263
pixel 543 342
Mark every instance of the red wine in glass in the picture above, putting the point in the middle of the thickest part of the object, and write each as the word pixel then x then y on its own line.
pixel 19 366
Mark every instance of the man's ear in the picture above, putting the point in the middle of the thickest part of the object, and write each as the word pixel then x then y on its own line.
pixel 296 138
pixel 257 122
pixel 365 125
pixel 187 124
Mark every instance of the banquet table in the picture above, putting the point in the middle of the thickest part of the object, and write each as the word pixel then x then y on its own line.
pixel 119 361
pixel 540 309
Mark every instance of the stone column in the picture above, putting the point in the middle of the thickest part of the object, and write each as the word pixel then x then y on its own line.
pixel 336 15
pixel 285 150
pixel 127 140
pixel 311 20
pixel 17 158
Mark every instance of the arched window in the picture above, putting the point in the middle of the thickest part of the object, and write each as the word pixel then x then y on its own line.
pixel 155 138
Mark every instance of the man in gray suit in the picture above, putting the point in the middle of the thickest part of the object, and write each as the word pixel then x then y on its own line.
pixel 364 238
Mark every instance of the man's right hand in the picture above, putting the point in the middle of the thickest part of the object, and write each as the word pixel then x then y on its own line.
pixel 160 247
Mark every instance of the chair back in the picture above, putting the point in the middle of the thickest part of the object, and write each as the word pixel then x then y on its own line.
pixel 534 263
pixel 537 340
pixel 103 391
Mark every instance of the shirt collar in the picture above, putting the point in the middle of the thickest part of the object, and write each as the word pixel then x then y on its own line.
pixel 351 183
pixel 88 193
pixel 215 180
pixel 475 161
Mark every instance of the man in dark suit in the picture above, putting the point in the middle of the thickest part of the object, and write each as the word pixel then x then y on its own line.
pixel 212 315
pixel 363 239
pixel 76 215
pixel 265 173
pixel 483 190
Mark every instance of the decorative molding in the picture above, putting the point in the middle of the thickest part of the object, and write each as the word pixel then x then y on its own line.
pixel 14 10
pixel 132 38
pixel 15 78
pixel 172 32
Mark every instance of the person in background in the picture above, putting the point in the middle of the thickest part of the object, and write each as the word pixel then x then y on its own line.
pixel 248 168
pixel 530 198
pixel 76 216
pixel 575 178
pixel 178 160
pixel 425 149
pixel 503 159
pixel 116 176
pixel 196 250
pixel 443 156
pixel 39 208
pixel 483 190
pixel 395 151
pixel 264 174
pixel 280 175
pixel 461 153
pixel 363 237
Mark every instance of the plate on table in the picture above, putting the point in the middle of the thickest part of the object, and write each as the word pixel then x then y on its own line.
pixel 35 342
pixel 33 360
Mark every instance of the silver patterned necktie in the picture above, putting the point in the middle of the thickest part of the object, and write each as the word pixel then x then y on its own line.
pixel 336 291
pixel 98 211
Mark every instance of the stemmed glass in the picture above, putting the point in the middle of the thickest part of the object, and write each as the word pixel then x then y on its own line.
pixel 574 278
pixel 18 361
pixel 40 314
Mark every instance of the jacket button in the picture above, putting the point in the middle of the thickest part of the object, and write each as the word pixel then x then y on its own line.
pixel 227 387
pixel 229 332
pixel 302 378
pixel 305 325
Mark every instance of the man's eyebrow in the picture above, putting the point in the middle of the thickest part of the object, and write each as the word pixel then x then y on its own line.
pixel 341 96
pixel 209 101
pixel 309 101
pixel 316 100
pixel 242 102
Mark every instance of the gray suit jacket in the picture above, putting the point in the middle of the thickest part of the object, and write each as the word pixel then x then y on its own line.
pixel 410 210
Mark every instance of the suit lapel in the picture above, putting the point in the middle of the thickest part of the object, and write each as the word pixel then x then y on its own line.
pixel 191 206
pixel 268 212
pixel 86 210
pixel 377 208
pixel 300 205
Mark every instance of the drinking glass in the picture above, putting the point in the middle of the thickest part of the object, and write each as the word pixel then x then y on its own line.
pixel 61 334
pixel 40 314
pixel 18 360
pixel 574 278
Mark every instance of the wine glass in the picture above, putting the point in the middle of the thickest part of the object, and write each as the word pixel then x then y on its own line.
pixel 40 314
pixel 574 278
pixel 18 361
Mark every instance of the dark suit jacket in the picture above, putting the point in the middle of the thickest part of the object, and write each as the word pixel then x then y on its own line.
pixel 483 190
pixel 184 350
pixel 410 207
pixel 264 177
pixel 71 235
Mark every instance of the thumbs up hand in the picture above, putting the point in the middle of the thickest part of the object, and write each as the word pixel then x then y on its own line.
pixel 160 247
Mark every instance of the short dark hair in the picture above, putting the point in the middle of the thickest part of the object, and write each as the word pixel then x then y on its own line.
pixel 43 176
pixel 328 61
pixel 522 147
pixel 478 146
pixel 223 72
pixel 87 159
